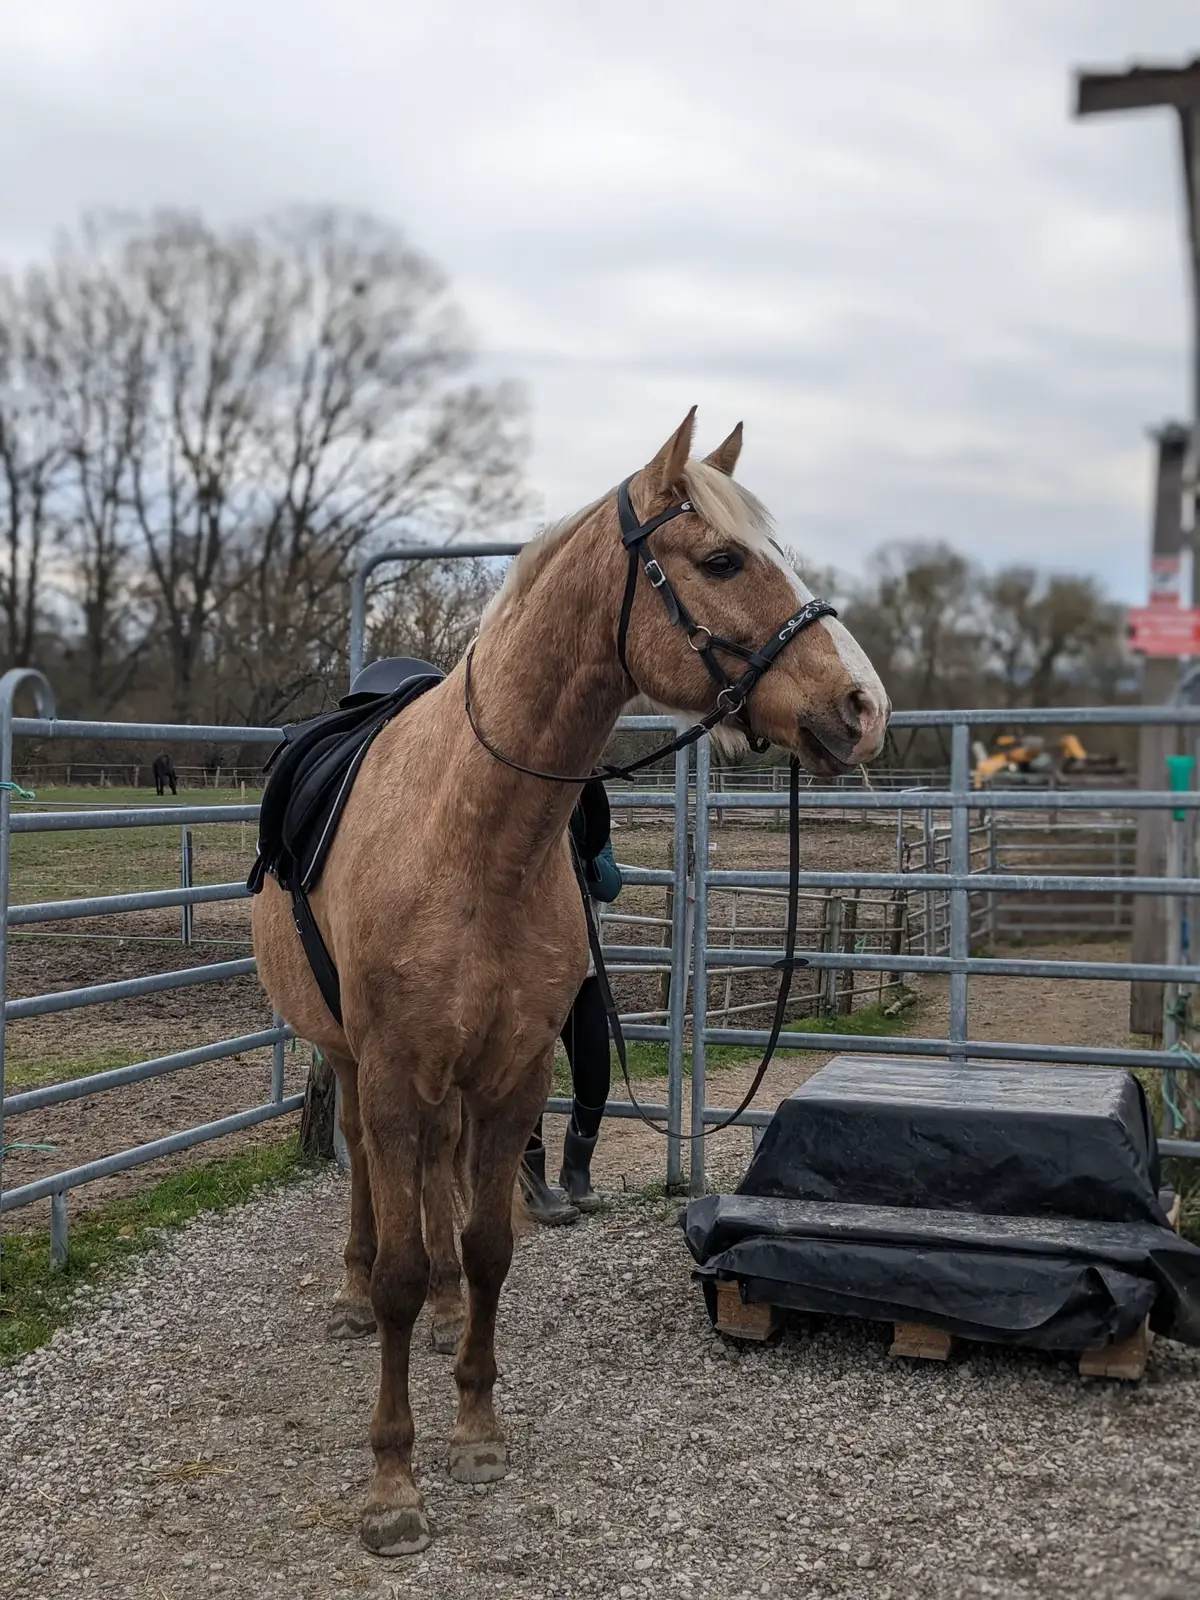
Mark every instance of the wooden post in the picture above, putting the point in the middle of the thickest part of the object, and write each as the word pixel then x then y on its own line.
pixel 317 1113
pixel 830 943
pixel 1156 744
pixel 845 1003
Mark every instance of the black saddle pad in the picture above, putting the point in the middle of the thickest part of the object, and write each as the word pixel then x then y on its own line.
pixel 311 774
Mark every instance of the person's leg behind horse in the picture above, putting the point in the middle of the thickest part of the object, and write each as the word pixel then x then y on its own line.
pixel 394 1123
pixel 543 1204
pixel 441 1202
pixel 498 1135
pixel 586 1038
pixel 352 1315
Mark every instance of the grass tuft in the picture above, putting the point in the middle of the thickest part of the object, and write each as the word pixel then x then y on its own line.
pixel 36 1299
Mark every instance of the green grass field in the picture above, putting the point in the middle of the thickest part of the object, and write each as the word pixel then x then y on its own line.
pixel 52 866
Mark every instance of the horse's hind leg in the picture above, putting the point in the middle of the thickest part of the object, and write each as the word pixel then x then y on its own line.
pixel 447 1312
pixel 499 1134
pixel 351 1315
pixel 394 1521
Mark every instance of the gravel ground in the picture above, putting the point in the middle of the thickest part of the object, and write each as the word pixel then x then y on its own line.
pixel 194 1434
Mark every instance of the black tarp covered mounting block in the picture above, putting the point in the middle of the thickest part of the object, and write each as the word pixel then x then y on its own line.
pixel 998 1202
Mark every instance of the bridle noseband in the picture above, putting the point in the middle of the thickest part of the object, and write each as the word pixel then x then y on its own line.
pixel 732 694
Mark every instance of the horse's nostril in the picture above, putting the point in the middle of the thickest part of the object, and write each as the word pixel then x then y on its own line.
pixel 859 707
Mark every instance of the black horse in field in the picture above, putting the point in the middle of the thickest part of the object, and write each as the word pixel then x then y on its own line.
pixel 164 774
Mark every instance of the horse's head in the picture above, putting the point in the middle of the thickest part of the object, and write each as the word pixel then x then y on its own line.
pixel 820 696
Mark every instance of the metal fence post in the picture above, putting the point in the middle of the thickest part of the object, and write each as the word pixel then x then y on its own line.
pixel 960 898
pixel 277 1061
pixel 680 961
pixel 927 839
pixel 341 1150
pixel 58 1229
pixel 185 882
pixel 700 967
pixel 12 680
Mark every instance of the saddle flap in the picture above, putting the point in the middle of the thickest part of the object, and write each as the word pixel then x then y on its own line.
pixel 311 773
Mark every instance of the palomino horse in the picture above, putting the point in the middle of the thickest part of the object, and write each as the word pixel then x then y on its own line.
pixel 450 905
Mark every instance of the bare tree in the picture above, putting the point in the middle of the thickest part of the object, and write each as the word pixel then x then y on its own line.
pixel 433 610
pixel 1046 633
pixel 921 615
pixel 275 398
pixel 96 377
pixel 31 459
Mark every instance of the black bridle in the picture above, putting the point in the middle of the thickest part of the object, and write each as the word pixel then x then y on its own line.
pixel 732 695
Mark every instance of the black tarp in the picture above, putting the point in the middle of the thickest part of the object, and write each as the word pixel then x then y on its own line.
pixel 1006 1203
pixel 999 1139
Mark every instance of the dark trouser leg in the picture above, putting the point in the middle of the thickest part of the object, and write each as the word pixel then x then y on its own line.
pixel 586 1039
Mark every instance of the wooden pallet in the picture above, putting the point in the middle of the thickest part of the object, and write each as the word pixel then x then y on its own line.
pixel 742 1321
pixel 1123 1359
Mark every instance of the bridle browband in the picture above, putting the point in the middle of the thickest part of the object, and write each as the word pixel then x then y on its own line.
pixel 732 695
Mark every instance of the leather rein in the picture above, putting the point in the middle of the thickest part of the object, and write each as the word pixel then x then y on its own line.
pixel 732 695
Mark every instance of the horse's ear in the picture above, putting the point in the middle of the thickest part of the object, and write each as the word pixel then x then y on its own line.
pixel 725 456
pixel 665 473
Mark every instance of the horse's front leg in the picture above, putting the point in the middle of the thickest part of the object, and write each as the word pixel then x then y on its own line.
pixel 394 1133
pixel 498 1136
pixel 441 1203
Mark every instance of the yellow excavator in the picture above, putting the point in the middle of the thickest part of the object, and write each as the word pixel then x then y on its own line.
pixel 1014 757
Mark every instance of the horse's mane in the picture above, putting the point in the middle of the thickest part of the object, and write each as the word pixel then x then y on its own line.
pixel 532 557
pixel 730 510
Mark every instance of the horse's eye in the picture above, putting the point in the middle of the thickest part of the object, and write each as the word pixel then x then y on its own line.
pixel 722 565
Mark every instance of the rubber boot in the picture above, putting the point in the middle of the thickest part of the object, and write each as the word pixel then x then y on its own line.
pixel 543 1205
pixel 576 1174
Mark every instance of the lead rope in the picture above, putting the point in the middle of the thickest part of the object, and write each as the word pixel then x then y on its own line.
pixel 786 967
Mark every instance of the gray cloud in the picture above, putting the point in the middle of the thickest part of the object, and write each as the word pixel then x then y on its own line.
pixel 943 308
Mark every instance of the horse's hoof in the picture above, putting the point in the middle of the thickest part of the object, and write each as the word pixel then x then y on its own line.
pixel 350 1319
pixel 394 1530
pixel 445 1337
pixel 479 1461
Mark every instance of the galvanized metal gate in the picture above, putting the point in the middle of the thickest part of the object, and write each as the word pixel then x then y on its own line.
pixel 692 800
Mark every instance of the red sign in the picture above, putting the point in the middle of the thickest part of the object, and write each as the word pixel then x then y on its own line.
pixel 1171 631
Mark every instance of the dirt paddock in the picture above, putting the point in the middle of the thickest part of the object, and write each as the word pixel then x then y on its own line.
pixel 99 951
pixel 193 1432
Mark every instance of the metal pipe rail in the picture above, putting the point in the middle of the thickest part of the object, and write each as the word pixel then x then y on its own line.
pixel 100 994
pixel 761 959
pixel 961 800
pixel 692 955
pixel 59 1182
pixel 107 905
pixel 47 726
pixel 55 1094
pixel 973 883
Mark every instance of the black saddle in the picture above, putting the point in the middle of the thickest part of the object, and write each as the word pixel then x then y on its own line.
pixel 310 777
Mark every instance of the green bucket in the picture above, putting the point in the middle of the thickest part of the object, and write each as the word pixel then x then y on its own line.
pixel 1179 777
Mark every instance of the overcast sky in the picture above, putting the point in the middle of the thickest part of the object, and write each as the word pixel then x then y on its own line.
pixel 944 308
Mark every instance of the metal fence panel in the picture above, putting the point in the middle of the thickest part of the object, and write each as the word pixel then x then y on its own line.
pixel 959 851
